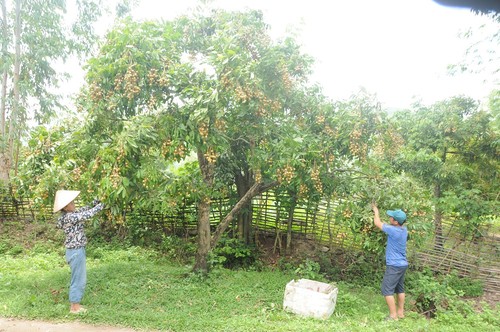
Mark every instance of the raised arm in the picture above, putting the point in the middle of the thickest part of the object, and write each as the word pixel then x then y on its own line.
pixel 88 213
pixel 80 215
pixel 376 216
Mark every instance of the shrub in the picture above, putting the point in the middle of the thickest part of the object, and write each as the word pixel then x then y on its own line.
pixel 176 248
pixel 4 247
pixel 232 254
pixel 352 266
pixel 309 269
pixel 15 250
pixel 439 293
pixel 467 286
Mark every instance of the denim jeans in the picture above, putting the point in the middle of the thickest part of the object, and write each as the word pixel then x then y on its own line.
pixel 76 261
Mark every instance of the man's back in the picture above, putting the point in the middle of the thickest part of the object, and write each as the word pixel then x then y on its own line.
pixel 395 252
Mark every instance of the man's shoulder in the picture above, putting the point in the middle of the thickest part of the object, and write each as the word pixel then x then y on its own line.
pixel 394 229
pixel 387 226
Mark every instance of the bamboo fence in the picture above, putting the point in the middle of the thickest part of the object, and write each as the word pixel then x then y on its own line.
pixel 475 256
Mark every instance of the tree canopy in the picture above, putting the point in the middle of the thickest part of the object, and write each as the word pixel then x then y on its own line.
pixel 35 37
pixel 209 106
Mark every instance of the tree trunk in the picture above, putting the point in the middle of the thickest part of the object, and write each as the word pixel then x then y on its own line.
pixel 16 158
pixel 3 96
pixel 201 258
pixel 438 215
pixel 438 218
pixel 201 264
pixel 245 217
pixel 247 224
pixel 7 151
pixel 289 225
pixel 4 168
pixel 17 68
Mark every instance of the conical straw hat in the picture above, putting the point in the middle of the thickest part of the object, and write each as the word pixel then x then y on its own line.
pixel 63 198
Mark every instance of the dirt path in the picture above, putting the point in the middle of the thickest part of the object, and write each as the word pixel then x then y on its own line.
pixel 15 325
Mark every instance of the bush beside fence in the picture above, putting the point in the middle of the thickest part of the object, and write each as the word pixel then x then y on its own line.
pixel 476 257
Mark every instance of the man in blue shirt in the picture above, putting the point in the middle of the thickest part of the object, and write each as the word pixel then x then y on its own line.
pixel 395 260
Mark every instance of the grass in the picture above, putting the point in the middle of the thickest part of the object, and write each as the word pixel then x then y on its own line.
pixel 137 288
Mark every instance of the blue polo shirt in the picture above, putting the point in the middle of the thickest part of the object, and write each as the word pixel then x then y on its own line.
pixel 395 251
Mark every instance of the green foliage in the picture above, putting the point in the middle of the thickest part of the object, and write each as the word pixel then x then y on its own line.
pixel 352 303
pixel 52 37
pixel 309 269
pixel 206 106
pixel 351 266
pixel 440 293
pixel 233 254
pixel 390 191
pixel 40 173
pixel 320 269
pixel 177 249
pixel 157 106
pixel 212 85
pixel 142 231
pixel 150 291
pixel 449 147
pixel 36 39
pixel 464 285
pixel 330 265
pixel 430 294
pixel 14 250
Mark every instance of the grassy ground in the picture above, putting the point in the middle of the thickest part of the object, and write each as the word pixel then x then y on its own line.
pixel 136 288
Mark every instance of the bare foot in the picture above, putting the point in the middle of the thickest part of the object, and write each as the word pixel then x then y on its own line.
pixel 76 308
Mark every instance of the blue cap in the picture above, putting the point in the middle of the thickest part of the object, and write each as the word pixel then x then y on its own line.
pixel 398 215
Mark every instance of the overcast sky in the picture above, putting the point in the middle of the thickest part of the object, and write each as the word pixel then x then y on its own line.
pixel 398 50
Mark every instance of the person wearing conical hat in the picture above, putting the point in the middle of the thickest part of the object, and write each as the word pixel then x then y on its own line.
pixel 71 221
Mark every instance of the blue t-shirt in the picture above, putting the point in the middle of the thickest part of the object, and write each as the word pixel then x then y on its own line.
pixel 395 252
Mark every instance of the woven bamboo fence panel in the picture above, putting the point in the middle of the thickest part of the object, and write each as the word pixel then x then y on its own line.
pixel 472 254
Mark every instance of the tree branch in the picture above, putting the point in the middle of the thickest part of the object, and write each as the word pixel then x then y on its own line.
pixel 339 170
pixel 257 189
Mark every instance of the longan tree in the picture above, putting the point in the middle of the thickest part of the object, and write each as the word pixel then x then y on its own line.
pixel 206 105
pixel 216 86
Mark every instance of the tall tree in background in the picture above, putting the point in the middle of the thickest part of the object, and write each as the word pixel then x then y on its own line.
pixel 35 37
pixel 451 147
pixel 481 56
